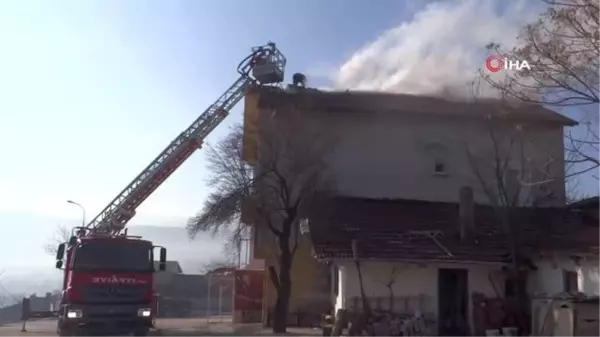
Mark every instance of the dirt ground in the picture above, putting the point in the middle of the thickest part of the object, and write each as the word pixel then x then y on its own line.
pixel 183 327
pixel 168 327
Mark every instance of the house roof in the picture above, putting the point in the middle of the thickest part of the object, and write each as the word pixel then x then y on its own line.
pixel 592 202
pixel 312 99
pixel 398 230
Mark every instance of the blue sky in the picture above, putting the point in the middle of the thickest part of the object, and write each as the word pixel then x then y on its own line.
pixel 92 91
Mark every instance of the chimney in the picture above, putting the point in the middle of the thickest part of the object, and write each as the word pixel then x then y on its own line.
pixel 466 213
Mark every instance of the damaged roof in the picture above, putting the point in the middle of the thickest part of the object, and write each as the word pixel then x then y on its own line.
pixel 421 230
pixel 313 99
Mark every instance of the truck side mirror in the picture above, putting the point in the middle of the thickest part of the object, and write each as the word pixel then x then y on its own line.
pixel 162 265
pixel 60 251
pixel 59 264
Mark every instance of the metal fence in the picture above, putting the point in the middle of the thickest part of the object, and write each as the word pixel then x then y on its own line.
pixel 187 295
pixel 220 299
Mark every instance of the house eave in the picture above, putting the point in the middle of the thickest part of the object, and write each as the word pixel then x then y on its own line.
pixel 415 261
pixel 363 101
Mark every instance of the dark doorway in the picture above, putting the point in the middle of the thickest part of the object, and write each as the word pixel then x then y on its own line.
pixel 453 302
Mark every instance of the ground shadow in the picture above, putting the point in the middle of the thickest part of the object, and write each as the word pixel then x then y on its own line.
pixel 235 332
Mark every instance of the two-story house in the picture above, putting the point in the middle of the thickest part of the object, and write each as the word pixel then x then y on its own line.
pixel 405 152
pixel 415 147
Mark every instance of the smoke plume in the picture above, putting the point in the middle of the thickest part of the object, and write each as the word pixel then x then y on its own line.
pixel 438 51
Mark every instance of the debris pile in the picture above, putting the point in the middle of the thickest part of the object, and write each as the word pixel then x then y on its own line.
pixel 386 323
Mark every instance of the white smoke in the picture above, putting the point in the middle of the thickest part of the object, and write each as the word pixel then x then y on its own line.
pixel 439 51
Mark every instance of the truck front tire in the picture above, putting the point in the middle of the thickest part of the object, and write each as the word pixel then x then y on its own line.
pixel 64 333
pixel 141 332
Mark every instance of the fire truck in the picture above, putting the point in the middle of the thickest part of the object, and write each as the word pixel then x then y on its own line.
pixel 108 284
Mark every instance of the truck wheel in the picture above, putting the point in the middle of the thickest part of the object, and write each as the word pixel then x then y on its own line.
pixel 63 332
pixel 141 332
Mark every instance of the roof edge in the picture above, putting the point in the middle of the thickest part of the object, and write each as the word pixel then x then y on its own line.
pixel 277 96
pixel 430 202
pixel 416 261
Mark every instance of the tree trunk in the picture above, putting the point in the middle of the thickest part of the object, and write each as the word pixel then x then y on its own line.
pixel 391 299
pixel 521 297
pixel 284 289
pixel 365 302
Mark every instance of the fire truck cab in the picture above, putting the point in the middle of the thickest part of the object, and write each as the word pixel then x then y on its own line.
pixel 108 284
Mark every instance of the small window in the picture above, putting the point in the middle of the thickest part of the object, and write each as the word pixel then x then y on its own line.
pixel 570 282
pixel 439 167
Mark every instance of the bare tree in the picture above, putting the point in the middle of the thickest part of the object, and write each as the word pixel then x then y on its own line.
pixel 573 190
pixel 513 170
pixel 492 175
pixel 61 235
pixel 562 48
pixel 389 284
pixel 278 192
pixel 366 306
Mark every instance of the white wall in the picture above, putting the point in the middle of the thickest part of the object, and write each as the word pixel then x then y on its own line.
pixel 391 155
pixel 549 315
pixel 548 279
pixel 413 280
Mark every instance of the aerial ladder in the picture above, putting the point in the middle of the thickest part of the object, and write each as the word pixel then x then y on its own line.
pixel 264 66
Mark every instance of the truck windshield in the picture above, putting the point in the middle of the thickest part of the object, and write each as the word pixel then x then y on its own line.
pixel 113 256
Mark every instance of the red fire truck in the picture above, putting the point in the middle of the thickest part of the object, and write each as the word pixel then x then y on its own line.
pixel 108 285
pixel 108 276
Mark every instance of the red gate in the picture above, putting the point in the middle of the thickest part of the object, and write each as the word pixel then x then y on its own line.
pixel 248 296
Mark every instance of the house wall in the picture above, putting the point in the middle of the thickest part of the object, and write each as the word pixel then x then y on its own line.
pixel 564 317
pixel 548 278
pixel 387 155
pixel 392 155
pixel 413 281
pixel 310 278
pixel 310 288
pixel 552 316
